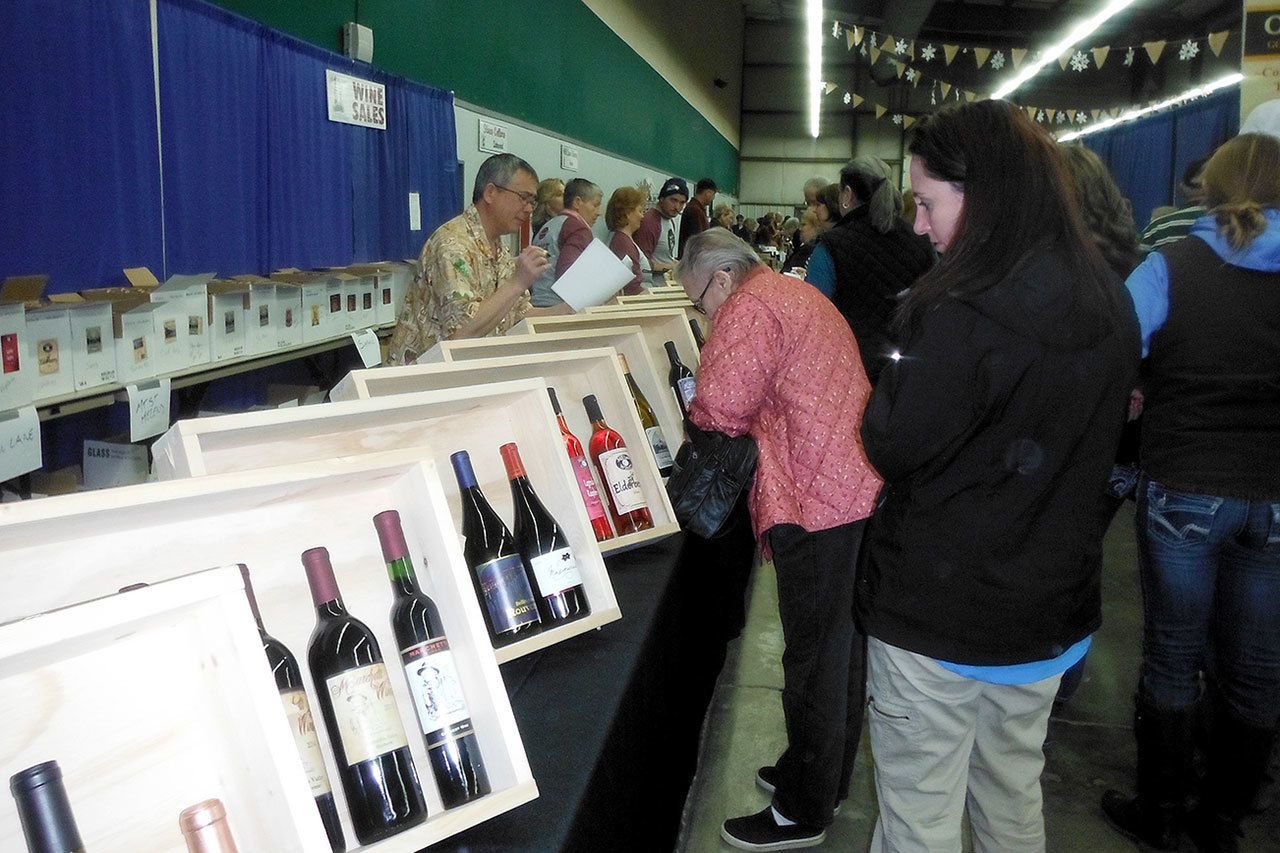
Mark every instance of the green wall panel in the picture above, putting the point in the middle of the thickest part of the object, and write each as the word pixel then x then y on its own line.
pixel 551 63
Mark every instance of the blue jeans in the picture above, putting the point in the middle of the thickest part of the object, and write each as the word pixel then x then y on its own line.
pixel 1210 586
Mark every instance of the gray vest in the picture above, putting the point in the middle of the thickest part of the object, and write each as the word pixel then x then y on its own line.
pixel 548 239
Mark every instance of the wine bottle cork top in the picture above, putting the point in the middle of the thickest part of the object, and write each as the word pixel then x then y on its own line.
pixel 320 575
pixel 34 777
pixel 593 408
pixel 511 458
pixel 248 592
pixel 391 535
pixel 622 359
pixel 555 401
pixel 194 818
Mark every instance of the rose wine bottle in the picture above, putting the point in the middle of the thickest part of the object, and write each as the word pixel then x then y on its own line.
pixel 581 470
pixel 497 570
pixel 557 581
pixel 205 829
pixel 360 713
pixel 613 461
pixel 680 378
pixel 653 432
pixel 284 668
pixel 697 333
pixel 433 678
pixel 45 810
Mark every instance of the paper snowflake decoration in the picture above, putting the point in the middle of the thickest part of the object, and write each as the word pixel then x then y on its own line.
pixel 911 75
pixel 1062 116
pixel 901 46
pixel 1040 116
pixel 863 50
pixel 928 52
pixel 997 61
pixel 874 41
pixel 1081 117
pixel 1189 50
pixel 897 118
pixel 848 98
pixel 933 98
pixel 1128 56
pixel 1079 61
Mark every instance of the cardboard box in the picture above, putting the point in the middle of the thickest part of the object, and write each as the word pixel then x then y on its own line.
pixel 228 310
pixel 17 357
pixel 49 333
pixel 93 357
pixel 374 278
pixel 289 315
pixel 134 328
pixel 262 319
pixel 321 304
pixel 348 319
pixel 192 324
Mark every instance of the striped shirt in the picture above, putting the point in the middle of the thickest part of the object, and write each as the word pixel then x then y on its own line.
pixel 1170 227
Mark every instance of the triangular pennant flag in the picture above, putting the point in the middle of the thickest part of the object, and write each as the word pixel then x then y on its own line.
pixel 828 88
pixel 950 51
pixel 981 54
pixel 1031 113
pixel 907 121
pixel 1100 56
pixel 1095 114
pixel 1154 49
pixel 858 33
pixel 911 50
pixel 1217 40
pixel 880 111
pixel 890 43
pixel 946 90
pixel 1065 58
pixel 1052 115
pixel 1019 54
pixel 1071 114
pixel 875 55
pixel 915 84
pixel 850 37
pixel 857 100
pixel 902 66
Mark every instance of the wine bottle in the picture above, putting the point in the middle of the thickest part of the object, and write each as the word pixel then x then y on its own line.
pixel 205 829
pixel 284 668
pixel 45 810
pixel 613 461
pixel 433 679
pixel 653 432
pixel 545 549
pixel 697 333
pixel 581 470
pixel 680 378
pixel 368 739
pixel 497 570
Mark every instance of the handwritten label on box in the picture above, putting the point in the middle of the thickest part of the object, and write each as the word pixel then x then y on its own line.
pixel 19 442
pixel 367 345
pixel 148 409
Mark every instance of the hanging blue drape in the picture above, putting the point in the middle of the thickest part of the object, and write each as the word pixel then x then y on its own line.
pixel 1148 156
pixel 79 175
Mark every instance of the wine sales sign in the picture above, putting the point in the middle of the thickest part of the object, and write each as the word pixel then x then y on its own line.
pixel 356 101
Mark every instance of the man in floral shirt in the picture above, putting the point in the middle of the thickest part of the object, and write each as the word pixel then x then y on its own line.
pixel 469 285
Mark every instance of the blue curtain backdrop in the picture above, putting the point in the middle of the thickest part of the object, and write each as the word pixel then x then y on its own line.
pixel 79 172
pixel 1148 157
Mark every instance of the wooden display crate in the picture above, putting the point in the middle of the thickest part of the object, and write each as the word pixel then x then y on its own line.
pixel 150 702
pixel 265 519
pixel 685 305
pixel 657 324
pixel 650 375
pixel 574 375
pixel 437 423
pixel 656 300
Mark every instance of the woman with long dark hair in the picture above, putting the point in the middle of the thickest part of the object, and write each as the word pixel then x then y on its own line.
pixel 994 427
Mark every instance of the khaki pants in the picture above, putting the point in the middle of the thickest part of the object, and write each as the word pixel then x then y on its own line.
pixel 941 741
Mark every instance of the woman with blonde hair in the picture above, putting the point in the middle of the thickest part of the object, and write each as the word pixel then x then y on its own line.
pixel 550 203
pixel 1208 520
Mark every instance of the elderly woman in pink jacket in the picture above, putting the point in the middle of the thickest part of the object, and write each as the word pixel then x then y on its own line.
pixel 782 365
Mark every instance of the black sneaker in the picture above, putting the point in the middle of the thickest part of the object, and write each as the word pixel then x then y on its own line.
pixel 767 781
pixel 761 832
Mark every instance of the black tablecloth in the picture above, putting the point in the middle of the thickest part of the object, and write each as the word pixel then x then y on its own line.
pixel 611 719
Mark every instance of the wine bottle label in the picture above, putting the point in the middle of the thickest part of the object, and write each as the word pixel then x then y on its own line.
pixel 298 711
pixel 619 475
pixel 659 444
pixel 368 721
pixel 507 594
pixel 587 485
pixel 556 571
pixel 685 390
pixel 437 692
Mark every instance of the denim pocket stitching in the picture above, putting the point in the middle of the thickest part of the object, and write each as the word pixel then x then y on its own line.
pixel 1165 506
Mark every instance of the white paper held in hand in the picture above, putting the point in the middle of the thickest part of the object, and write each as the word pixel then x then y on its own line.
pixel 366 341
pixel 148 408
pixel 593 278
pixel 19 442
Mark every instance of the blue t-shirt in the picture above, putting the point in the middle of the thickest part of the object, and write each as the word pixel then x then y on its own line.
pixel 1022 673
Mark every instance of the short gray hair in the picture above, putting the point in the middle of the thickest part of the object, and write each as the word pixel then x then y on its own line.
pixel 814 185
pixel 581 188
pixel 716 249
pixel 499 170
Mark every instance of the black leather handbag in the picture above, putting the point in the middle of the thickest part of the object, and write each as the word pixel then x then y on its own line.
pixel 711 472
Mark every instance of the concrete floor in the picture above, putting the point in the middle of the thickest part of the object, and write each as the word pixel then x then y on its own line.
pixel 1091 741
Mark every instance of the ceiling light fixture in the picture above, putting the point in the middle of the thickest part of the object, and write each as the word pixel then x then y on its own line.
pixel 1080 31
pixel 813 32
pixel 1198 91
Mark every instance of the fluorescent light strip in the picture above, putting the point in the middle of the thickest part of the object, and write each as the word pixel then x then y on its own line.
pixel 1078 33
pixel 1199 91
pixel 813 30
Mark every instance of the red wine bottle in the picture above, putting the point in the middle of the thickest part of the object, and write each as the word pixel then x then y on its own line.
pixel 581 470
pixel 360 713
pixel 433 679
pixel 205 829
pixel 45 810
pixel 557 583
pixel 680 378
pixel 697 333
pixel 284 667
pixel 497 570
pixel 613 461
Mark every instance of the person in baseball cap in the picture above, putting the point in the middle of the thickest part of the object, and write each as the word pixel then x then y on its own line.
pixel 660 228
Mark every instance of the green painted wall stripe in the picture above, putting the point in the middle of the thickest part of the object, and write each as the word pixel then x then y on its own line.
pixel 551 63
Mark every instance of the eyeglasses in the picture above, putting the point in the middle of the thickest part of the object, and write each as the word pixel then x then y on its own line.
pixel 528 198
pixel 697 303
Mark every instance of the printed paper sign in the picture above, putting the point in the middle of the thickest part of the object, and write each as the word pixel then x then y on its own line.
pixel 19 442
pixel 148 409
pixel 107 464
pixel 568 158
pixel 593 278
pixel 415 212
pixel 356 101
pixel 366 341
pixel 493 137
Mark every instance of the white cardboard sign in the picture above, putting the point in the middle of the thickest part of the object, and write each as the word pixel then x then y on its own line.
pixel 493 137
pixel 356 101
pixel 594 278
pixel 107 464
pixel 366 341
pixel 19 442
pixel 148 409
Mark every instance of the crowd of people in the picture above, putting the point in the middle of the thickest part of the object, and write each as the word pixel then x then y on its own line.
pixel 952 396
